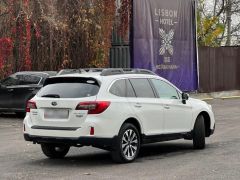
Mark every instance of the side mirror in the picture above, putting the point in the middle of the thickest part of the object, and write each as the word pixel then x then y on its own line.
pixel 185 97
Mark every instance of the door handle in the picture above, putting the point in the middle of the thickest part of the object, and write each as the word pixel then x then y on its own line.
pixel 10 90
pixel 138 105
pixel 31 89
pixel 166 107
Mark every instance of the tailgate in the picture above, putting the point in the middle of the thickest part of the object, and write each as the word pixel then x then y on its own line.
pixel 52 112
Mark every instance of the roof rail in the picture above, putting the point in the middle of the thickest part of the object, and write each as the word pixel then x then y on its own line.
pixel 116 71
pixel 138 71
pixel 107 71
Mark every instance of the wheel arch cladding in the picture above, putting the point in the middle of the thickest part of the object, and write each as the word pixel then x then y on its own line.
pixel 207 122
pixel 134 122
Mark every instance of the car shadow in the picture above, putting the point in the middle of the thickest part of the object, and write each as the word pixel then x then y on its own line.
pixel 11 116
pixel 85 160
pixel 165 149
pixel 98 158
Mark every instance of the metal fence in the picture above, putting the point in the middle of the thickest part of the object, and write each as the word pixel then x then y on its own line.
pixel 120 57
pixel 120 53
pixel 219 69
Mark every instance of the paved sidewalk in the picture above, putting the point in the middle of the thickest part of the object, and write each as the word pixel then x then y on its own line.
pixel 217 95
pixel 173 160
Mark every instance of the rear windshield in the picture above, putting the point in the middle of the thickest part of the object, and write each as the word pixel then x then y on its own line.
pixel 69 88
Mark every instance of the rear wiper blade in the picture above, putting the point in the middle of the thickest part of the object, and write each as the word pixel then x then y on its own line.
pixel 51 95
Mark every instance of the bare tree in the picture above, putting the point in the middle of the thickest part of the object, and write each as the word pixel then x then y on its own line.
pixel 227 13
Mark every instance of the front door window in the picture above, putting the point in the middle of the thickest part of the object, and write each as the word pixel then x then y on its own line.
pixel 165 90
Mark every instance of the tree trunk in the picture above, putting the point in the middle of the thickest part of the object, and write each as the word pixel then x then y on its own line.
pixel 215 7
pixel 229 21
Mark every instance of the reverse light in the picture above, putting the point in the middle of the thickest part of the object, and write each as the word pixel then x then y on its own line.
pixel 93 107
pixel 31 105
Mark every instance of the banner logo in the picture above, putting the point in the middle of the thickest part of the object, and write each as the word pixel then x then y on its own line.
pixel 166 45
pixel 166 20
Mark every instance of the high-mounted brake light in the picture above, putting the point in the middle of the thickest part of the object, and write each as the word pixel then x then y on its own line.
pixel 93 107
pixel 31 105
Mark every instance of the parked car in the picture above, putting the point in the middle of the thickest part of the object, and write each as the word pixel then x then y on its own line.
pixel 68 71
pixel 18 88
pixel 115 110
pixel 73 71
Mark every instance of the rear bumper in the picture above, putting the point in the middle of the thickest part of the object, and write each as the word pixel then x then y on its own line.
pixel 103 143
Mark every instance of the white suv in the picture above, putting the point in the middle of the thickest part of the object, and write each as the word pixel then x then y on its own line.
pixel 116 110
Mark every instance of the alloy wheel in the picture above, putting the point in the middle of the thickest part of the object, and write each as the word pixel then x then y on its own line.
pixel 130 144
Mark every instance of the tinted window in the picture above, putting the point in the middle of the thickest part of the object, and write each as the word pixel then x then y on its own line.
pixel 28 79
pixel 142 88
pixel 130 91
pixel 21 79
pixel 119 88
pixel 122 88
pixel 69 88
pixel 10 81
pixel 165 90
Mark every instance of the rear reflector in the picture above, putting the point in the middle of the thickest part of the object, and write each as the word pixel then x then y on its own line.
pixel 92 131
pixel 31 105
pixel 93 107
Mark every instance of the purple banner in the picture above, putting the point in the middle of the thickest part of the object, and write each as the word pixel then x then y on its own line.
pixel 165 40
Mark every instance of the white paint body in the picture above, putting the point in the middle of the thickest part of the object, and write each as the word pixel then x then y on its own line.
pixel 156 116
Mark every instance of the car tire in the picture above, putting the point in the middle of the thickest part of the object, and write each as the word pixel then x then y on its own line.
pixel 127 144
pixel 55 151
pixel 199 133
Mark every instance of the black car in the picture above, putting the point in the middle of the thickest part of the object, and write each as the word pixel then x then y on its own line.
pixel 18 88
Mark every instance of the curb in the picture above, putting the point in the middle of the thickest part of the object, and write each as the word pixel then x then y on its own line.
pixel 235 94
pixel 231 97
pixel 207 99
pixel 222 98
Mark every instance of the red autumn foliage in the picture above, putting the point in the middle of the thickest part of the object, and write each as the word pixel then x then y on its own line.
pixel 6 47
pixel 125 13
pixel 49 34
pixel 28 63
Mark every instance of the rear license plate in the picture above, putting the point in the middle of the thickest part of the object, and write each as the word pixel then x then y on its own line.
pixel 56 114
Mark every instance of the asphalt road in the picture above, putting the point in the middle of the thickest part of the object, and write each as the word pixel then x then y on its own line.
pixel 168 160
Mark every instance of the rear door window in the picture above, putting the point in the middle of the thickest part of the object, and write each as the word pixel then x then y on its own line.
pixel 142 88
pixel 130 91
pixel 69 88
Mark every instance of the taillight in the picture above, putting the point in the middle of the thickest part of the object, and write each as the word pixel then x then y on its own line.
pixel 93 107
pixel 31 105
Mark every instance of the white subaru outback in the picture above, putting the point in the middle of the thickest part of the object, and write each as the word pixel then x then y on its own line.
pixel 116 110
